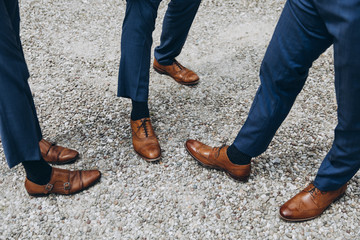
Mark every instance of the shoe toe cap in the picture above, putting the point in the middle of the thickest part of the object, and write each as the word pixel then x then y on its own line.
pixel 68 154
pixel 192 145
pixel 89 177
pixel 152 151
pixel 291 212
pixel 193 78
pixel 285 212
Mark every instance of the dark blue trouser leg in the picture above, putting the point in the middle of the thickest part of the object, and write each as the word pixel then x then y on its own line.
pixel 136 41
pixel 177 22
pixel 343 160
pixel 299 38
pixel 19 127
pixel 13 11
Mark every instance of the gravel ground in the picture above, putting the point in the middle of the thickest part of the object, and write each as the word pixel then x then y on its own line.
pixel 73 48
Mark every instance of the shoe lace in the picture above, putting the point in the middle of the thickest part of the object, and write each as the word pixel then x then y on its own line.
pixel 143 125
pixel 218 149
pixel 314 191
pixel 178 64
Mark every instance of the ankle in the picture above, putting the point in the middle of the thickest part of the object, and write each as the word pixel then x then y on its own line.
pixel 139 110
pixel 38 172
pixel 237 157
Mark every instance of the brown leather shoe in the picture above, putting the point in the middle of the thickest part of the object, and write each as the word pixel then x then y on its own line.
pixel 55 154
pixel 218 159
pixel 309 203
pixel 64 182
pixel 144 140
pixel 178 72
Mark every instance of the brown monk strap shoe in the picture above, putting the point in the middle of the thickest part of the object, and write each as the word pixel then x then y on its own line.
pixel 64 182
pixel 144 140
pixel 178 72
pixel 55 154
pixel 309 203
pixel 217 158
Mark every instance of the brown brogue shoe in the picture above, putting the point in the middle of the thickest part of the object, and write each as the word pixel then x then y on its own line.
pixel 64 182
pixel 178 72
pixel 217 158
pixel 144 140
pixel 309 203
pixel 55 154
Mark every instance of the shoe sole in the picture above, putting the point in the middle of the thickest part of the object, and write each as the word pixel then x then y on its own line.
pixel 45 195
pixel 310 218
pixel 148 159
pixel 236 178
pixel 158 70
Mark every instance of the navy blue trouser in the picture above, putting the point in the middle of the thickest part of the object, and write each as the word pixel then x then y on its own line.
pixel 136 41
pixel 306 29
pixel 19 127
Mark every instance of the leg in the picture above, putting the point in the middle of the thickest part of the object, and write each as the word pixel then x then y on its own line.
pixel 12 7
pixel 136 41
pixel 19 127
pixel 177 22
pixel 343 160
pixel 61 155
pixel 299 38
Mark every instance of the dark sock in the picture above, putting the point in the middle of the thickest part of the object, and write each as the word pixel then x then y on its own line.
pixel 139 110
pixel 38 172
pixel 237 157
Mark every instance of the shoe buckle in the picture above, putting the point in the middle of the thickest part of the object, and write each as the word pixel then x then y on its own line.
pixel 49 187
pixel 67 186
